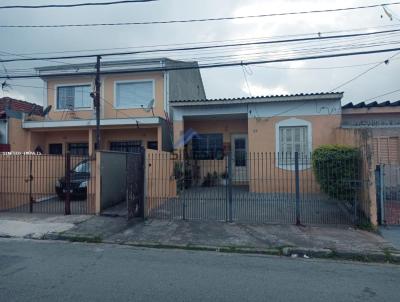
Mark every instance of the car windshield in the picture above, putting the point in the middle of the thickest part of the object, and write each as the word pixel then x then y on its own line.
pixel 83 167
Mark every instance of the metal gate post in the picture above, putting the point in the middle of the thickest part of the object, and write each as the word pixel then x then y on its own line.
pixel 67 203
pixel 297 182
pixel 183 179
pixel 142 176
pixel 229 187
pixel 382 192
pixel 30 187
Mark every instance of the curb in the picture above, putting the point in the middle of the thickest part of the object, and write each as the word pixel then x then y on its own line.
pixel 386 256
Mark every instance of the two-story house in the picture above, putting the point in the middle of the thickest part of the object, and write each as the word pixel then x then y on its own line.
pixel 134 105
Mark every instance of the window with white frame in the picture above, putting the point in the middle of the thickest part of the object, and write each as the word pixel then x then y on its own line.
pixel 74 97
pixel 293 139
pixel 137 94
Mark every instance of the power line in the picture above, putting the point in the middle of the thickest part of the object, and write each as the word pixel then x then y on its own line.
pixel 258 66
pixel 183 21
pixel 217 65
pixel 214 41
pixel 204 47
pixel 365 72
pixel 381 95
pixel 75 4
pixel 321 68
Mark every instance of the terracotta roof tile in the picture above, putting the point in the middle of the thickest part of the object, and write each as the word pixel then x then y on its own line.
pixel 19 106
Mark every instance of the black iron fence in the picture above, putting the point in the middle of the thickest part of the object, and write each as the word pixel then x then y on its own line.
pixel 255 187
pixel 54 184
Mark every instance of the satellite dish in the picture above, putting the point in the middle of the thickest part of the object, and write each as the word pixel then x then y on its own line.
pixel 32 110
pixel 149 106
pixel 46 110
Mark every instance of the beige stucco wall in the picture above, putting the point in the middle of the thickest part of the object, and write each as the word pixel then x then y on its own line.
pixel 262 131
pixel 160 184
pixel 264 174
pixel 108 96
pixel 116 135
pixel 65 136
pixel 227 127
pixel 17 137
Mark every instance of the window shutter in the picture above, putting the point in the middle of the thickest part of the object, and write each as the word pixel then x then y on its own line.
pixel 61 98
pixel 70 97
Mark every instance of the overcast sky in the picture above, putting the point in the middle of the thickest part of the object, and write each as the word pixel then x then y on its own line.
pixel 282 78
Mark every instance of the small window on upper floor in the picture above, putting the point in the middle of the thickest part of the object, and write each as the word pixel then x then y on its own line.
pixel 136 94
pixel 74 97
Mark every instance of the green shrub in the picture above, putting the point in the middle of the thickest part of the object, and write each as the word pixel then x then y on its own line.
pixel 337 170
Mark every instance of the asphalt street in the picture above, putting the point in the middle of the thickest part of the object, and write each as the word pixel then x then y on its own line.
pixel 60 271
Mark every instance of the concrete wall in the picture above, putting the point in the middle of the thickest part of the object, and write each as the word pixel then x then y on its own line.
pixel 185 84
pixel 363 140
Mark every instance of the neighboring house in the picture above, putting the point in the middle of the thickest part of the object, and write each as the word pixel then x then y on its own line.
pixel 12 137
pixel 134 105
pixel 281 124
pixel 379 122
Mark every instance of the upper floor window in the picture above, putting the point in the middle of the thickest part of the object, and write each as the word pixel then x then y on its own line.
pixel 74 97
pixel 136 94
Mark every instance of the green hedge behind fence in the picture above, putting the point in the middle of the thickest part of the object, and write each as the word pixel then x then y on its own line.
pixel 337 170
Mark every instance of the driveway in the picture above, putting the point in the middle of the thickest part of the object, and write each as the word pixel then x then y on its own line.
pixel 50 204
pixel 210 203
pixel 391 234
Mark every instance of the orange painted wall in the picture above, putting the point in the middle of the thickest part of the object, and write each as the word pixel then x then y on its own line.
pixel 159 178
pixel 107 109
pixel 262 131
pixel 46 170
pixel 17 137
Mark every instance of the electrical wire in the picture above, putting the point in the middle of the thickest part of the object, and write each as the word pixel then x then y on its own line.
pixel 181 21
pixel 202 47
pixel 75 4
pixel 381 95
pixel 220 65
pixel 365 72
pixel 253 53
pixel 214 41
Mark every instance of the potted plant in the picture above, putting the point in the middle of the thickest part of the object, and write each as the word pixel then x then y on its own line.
pixel 179 176
pixel 207 181
pixel 224 179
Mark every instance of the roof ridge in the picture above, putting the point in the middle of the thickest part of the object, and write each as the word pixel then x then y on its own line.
pixel 258 97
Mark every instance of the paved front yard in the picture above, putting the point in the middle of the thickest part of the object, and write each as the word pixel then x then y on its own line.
pixel 211 204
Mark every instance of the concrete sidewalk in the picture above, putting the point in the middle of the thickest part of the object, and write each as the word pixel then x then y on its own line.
pixel 309 241
pixel 37 226
pixel 297 241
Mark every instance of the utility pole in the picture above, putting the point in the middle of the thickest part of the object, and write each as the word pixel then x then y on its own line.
pixel 97 103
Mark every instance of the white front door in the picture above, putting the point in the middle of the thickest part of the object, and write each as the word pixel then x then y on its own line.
pixel 239 157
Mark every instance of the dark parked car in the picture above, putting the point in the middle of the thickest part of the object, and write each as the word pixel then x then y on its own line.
pixel 79 179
